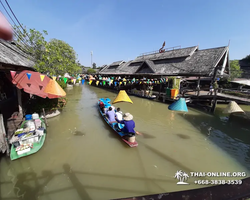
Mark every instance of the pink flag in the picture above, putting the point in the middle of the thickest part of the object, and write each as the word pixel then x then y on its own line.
pixel 13 73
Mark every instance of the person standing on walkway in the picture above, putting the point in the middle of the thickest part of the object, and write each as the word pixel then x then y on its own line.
pixel 215 87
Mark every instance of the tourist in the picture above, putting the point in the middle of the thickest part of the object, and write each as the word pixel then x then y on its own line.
pixel 101 104
pixel 118 114
pixel 111 115
pixel 129 126
pixel 211 89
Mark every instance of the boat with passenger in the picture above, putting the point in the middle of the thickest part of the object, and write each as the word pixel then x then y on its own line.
pixel 117 127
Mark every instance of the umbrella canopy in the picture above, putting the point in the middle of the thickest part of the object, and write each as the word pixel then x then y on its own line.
pixel 233 107
pixel 54 89
pixel 122 97
pixel 179 105
pixel 32 83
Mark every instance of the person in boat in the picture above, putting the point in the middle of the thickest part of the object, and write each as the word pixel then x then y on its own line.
pixel 101 104
pixel 150 89
pixel 129 126
pixel 118 114
pixel 111 115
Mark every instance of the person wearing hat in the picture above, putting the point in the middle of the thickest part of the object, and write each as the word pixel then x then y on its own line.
pixel 129 126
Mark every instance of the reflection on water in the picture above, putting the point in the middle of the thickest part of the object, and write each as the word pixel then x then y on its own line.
pixel 83 158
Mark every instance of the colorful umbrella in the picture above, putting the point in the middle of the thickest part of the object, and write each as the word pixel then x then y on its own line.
pixel 179 105
pixel 233 107
pixel 54 89
pixel 122 97
pixel 32 83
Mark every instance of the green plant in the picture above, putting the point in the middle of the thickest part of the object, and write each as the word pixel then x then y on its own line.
pixel 62 84
pixel 48 104
pixel 69 81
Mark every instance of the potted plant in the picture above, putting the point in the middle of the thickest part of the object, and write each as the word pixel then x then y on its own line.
pixel 52 107
pixel 77 82
pixel 69 83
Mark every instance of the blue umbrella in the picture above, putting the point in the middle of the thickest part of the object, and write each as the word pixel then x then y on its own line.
pixel 179 105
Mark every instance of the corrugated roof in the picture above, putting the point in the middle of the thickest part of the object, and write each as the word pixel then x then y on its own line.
pixel 11 54
pixel 197 62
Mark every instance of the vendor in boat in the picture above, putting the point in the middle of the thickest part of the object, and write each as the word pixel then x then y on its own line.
pixel 111 115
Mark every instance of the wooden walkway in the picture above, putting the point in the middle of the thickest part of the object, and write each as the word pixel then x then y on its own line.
pixel 203 97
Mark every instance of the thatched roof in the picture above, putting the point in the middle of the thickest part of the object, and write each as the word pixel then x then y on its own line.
pixel 186 61
pixel 11 55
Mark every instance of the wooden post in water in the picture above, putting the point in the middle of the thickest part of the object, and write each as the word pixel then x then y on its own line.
pixel 198 86
pixel 45 119
pixel 213 102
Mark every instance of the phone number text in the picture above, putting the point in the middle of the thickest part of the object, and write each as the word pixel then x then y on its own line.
pixel 218 182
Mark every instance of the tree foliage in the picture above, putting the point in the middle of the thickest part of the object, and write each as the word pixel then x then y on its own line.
pixel 55 57
pixel 94 66
pixel 247 58
pixel 91 71
pixel 235 71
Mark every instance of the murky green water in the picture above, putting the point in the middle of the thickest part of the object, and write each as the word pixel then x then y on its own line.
pixel 84 159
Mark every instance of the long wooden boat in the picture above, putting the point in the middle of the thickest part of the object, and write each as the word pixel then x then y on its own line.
pixel 36 146
pixel 114 126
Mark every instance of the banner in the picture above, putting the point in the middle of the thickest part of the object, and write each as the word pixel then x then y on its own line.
pixel 112 80
pixel 42 77
pixel 83 81
pixel 125 83
pixel 97 83
pixel 120 83
pixel 65 79
pixel 74 80
pixel 104 83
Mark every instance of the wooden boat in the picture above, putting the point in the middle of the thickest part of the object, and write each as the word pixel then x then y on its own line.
pixel 145 97
pixel 115 126
pixel 35 147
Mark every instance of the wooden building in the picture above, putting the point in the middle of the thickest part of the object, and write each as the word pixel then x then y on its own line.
pixel 185 62
pixel 11 59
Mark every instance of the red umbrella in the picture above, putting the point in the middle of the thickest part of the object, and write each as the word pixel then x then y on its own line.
pixel 33 83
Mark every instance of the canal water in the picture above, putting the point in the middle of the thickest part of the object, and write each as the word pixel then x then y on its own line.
pixel 82 158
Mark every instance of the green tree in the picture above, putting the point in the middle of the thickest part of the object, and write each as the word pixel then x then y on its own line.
pixel 94 66
pixel 91 71
pixel 247 59
pixel 58 58
pixel 55 57
pixel 235 71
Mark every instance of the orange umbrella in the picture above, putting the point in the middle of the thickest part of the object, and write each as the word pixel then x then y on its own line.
pixel 54 89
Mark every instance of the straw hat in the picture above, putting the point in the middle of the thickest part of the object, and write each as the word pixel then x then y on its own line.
pixel 127 117
pixel 232 107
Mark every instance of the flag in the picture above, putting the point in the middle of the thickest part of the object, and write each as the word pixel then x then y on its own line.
pixel 29 75
pixel 42 77
pixel 13 73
